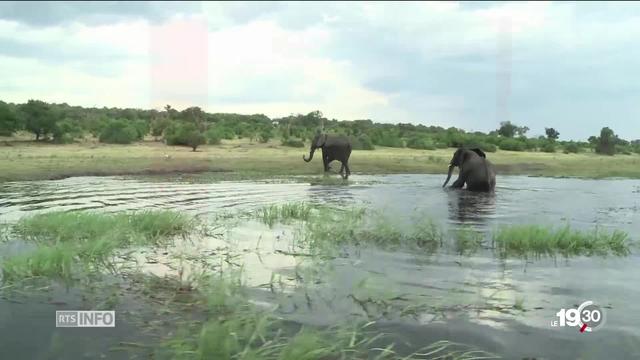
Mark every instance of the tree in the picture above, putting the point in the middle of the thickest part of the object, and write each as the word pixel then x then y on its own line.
pixel 507 129
pixel 158 126
pixel 552 134
pixel 142 128
pixel 118 132
pixel 9 122
pixel 65 131
pixel 195 139
pixel 266 134
pixel 38 117
pixel 606 142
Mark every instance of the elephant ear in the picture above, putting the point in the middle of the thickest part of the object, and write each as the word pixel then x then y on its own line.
pixel 321 140
pixel 479 152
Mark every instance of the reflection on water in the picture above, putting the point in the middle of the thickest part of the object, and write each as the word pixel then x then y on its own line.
pixel 472 208
pixel 467 299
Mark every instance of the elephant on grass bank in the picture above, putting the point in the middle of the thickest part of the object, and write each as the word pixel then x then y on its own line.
pixel 475 170
pixel 334 147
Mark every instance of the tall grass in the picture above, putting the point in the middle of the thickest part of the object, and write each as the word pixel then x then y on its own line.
pixel 235 329
pixel 72 241
pixel 284 213
pixel 537 241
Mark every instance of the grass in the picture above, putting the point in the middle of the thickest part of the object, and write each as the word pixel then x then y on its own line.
pixel 325 229
pixel 71 241
pixel 235 329
pixel 284 213
pixel 537 241
pixel 24 160
pixel 467 241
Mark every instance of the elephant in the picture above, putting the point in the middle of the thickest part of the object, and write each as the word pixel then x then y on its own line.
pixel 334 147
pixel 475 170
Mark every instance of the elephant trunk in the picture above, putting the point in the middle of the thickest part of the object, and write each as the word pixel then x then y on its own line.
pixel 310 155
pixel 448 175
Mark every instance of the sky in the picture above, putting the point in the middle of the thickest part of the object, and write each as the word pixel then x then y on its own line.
pixel 567 65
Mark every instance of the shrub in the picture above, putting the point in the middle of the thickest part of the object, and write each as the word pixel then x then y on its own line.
pixel 389 140
pixel 118 132
pixel 213 136
pixel 548 147
pixel 421 143
pixel 195 139
pixel 65 132
pixel 186 134
pixel 487 147
pixel 512 145
pixel 291 142
pixel 571 148
pixel 362 142
pixel 142 128
pixel 265 135
pixel 441 145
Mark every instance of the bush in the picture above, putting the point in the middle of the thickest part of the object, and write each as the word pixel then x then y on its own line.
pixel 362 142
pixel 421 143
pixel 195 139
pixel 441 145
pixel 389 140
pixel 548 147
pixel 118 132
pixel 291 142
pixel 65 132
pixel 213 136
pixel 266 135
pixel 486 147
pixel 571 148
pixel 186 134
pixel 142 129
pixel 512 145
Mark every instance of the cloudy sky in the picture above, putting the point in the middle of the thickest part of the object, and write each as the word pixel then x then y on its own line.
pixel 571 66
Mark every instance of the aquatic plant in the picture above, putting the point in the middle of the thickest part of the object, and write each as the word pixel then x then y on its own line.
pixel 86 240
pixel 537 241
pixel 284 213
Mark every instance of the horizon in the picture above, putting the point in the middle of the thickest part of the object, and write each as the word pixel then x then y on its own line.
pixel 452 64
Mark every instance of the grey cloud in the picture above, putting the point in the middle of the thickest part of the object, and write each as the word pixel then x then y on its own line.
pixel 90 13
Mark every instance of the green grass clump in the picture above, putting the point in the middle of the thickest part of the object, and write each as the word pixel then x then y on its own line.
pixel 50 262
pixel 70 241
pixel 144 228
pixel 357 227
pixel 467 241
pixel 236 329
pixel 535 240
pixel 284 213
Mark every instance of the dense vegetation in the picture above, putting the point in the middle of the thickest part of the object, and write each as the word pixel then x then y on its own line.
pixel 62 123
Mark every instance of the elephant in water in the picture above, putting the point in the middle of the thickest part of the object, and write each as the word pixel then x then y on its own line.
pixel 334 147
pixel 475 170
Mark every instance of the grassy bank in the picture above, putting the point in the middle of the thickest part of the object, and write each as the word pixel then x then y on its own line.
pixel 36 161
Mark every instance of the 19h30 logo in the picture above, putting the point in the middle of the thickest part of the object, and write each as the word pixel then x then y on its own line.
pixel 587 317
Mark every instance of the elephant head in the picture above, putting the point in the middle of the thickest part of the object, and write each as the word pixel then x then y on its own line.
pixel 459 158
pixel 317 142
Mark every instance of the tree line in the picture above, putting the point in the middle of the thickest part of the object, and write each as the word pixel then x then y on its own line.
pixel 62 123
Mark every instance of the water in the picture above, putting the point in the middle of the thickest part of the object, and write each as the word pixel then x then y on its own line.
pixel 474 295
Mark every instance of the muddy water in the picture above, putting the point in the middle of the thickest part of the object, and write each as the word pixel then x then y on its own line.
pixel 464 299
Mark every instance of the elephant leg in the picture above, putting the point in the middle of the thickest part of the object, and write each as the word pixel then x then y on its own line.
pixel 325 163
pixel 458 184
pixel 342 170
pixel 346 166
